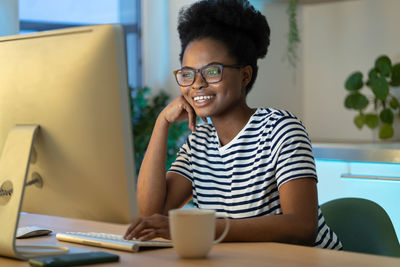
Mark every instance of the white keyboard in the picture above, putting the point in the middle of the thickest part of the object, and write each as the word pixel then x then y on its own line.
pixel 109 241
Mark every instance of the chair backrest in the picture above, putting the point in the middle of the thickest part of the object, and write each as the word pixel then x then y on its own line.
pixel 362 226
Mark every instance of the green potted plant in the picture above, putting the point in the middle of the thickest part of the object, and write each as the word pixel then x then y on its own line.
pixel 378 107
pixel 145 109
pixel 293 34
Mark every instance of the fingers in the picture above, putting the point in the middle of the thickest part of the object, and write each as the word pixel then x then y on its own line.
pixel 191 116
pixel 146 228
pixel 178 110
pixel 131 228
pixel 147 234
pixel 138 230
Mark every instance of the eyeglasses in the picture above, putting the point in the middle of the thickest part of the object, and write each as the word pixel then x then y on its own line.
pixel 211 73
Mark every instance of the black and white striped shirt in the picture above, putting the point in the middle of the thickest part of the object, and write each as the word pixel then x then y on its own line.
pixel 241 179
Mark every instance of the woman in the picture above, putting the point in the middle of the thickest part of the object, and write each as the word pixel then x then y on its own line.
pixel 254 166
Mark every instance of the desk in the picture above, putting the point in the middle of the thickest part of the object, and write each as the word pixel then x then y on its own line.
pixel 225 254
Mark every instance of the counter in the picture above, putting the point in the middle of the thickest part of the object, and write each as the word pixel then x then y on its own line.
pixel 359 152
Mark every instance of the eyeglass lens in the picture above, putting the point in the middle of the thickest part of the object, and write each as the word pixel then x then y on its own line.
pixel 211 74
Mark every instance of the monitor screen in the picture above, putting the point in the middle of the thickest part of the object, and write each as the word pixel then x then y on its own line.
pixel 73 84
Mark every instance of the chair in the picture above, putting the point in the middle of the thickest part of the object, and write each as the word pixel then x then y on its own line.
pixel 362 226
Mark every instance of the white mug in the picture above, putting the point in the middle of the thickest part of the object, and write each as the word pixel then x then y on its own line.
pixel 193 231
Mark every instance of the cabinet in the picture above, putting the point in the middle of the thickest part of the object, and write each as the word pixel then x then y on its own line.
pixel 379 182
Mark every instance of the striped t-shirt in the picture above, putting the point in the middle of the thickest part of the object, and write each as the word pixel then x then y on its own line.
pixel 241 179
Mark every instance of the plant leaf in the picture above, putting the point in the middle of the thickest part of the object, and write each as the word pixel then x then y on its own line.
pixel 356 101
pixel 395 79
pixel 383 65
pixel 380 87
pixel 386 131
pixel 372 120
pixel 293 35
pixel 373 73
pixel 359 121
pixel 354 81
pixel 394 103
pixel 348 102
pixel 387 116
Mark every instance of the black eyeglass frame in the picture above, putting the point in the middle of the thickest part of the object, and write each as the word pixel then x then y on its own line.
pixel 222 66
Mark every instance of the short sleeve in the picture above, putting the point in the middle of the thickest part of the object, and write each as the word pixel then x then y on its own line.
pixel 292 151
pixel 182 163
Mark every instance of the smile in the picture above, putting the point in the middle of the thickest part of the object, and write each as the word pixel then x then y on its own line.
pixel 202 98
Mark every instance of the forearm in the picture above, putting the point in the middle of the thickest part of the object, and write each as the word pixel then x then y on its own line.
pixel 152 183
pixel 285 228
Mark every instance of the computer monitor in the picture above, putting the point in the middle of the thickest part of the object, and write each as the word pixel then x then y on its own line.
pixel 73 84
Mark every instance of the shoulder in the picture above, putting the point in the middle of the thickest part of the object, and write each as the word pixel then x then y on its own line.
pixel 279 124
pixel 273 119
pixel 272 114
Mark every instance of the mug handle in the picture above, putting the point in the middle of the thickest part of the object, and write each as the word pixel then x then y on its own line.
pixel 222 236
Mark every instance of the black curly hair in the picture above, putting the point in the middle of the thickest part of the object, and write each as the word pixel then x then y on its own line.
pixel 236 23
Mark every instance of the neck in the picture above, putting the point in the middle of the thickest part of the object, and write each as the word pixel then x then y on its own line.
pixel 230 124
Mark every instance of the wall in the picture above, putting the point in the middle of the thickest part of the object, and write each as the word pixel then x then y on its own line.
pixel 278 85
pixel 9 17
pixel 339 38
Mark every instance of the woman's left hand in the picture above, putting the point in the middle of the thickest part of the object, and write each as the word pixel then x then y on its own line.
pixel 146 228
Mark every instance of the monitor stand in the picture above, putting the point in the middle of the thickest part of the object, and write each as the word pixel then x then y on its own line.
pixel 14 166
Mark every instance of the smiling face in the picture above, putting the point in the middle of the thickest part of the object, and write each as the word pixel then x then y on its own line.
pixel 214 99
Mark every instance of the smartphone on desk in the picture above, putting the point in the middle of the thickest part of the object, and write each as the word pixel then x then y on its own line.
pixel 75 259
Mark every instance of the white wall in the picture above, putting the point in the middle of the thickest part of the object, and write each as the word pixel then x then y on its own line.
pixel 339 38
pixel 9 23
pixel 278 85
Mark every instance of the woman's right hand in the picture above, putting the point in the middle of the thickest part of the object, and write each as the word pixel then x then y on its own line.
pixel 147 228
pixel 179 109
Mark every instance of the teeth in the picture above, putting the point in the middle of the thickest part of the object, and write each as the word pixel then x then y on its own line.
pixel 203 97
